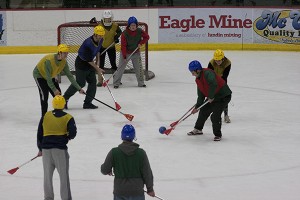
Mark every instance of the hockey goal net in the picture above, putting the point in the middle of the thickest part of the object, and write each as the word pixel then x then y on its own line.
pixel 74 33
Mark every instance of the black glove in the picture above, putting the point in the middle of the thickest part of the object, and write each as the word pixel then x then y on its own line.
pixel 93 20
pixel 116 40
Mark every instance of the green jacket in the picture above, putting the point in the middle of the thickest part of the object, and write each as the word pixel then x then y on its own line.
pixel 209 77
pixel 131 167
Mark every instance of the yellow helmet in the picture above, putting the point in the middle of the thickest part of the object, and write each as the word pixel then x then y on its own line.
pixel 218 55
pixel 58 102
pixel 99 30
pixel 62 48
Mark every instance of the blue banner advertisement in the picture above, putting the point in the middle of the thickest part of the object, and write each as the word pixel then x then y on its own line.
pixel 3 35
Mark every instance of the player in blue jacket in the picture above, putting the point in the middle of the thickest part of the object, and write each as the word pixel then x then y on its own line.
pixel 86 67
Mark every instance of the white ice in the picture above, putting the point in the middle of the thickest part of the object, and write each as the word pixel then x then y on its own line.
pixel 257 159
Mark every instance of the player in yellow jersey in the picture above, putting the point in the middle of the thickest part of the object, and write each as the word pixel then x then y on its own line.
pixel 46 71
pixel 111 37
pixel 55 130
pixel 221 65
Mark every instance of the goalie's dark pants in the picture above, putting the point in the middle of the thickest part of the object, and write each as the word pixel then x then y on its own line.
pixel 44 90
pixel 111 52
pixel 83 77
pixel 215 109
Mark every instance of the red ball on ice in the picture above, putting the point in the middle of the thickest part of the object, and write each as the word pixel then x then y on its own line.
pixel 162 129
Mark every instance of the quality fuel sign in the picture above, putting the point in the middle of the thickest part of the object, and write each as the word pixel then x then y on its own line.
pixel 279 26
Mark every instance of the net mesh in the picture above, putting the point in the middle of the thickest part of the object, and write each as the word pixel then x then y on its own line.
pixel 74 33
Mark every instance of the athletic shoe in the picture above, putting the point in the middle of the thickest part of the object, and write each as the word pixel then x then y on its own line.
pixel 217 138
pixel 89 106
pixel 99 84
pixel 195 132
pixel 116 86
pixel 226 119
pixel 143 85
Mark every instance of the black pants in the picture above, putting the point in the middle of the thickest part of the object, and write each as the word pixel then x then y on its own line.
pixel 226 110
pixel 44 90
pixel 111 52
pixel 88 75
pixel 215 109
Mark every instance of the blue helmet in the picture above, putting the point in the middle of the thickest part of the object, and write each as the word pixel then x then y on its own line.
pixel 195 65
pixel 128 132
pixel 132 20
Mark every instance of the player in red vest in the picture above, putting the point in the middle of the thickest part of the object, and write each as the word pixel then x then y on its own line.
pixel 132 40
pixel 217 93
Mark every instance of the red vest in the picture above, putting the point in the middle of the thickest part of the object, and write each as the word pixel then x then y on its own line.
pixel 203 85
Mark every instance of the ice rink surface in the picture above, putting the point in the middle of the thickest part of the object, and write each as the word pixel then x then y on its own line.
pixel 257 159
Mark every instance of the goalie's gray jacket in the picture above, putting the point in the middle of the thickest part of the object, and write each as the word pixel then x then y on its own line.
pixel 131 168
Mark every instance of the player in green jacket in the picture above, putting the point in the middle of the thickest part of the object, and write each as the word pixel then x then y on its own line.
pixel 131 168
pixel 217 93
pixel 131 41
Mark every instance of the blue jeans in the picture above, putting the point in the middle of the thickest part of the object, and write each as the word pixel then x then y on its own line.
pixel 129 198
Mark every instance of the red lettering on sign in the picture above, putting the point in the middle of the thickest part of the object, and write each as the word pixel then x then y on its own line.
pixel 185 24
pixel 226 21
pixel 223 21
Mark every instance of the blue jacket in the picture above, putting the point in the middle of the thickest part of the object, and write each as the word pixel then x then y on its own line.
pixel 88 50
pixel 56 141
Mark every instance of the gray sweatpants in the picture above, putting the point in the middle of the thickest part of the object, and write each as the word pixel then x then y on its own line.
pixel 59 159
pixel 137 66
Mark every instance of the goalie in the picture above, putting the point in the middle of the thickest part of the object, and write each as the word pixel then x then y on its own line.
pixel 111 37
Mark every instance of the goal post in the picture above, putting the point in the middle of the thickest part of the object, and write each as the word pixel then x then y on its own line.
pixel 74 33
